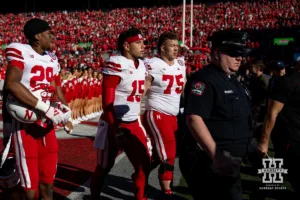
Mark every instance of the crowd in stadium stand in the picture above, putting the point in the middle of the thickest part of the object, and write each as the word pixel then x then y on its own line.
pixel 83 37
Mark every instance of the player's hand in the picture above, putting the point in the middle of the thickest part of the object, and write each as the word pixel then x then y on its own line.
pixel 66 110
pixel 120 138
pixel 69 127
pixel 56 116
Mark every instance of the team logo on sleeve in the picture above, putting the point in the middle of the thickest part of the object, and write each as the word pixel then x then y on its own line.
pixel 198 88
pixel 52 55
pixel 180 62
pixel 105 71
pixel 149 67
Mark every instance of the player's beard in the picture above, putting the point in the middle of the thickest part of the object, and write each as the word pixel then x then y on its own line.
pixel 50 47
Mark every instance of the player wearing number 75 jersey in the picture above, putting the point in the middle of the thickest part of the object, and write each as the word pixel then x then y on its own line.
pixel 165 83
pixel 32 68
pixel 122 89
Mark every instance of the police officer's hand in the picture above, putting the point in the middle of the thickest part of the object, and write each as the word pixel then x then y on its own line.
pixel 262 148
pixel 222 164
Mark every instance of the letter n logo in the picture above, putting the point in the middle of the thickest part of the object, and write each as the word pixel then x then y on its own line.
pixel 28 114
pixel 56 112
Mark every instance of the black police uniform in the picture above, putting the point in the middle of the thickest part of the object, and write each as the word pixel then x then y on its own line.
pixel 287 91
pixel 224 105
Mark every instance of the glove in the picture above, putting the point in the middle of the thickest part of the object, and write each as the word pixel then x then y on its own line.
pixel 55 115
pixel 65 109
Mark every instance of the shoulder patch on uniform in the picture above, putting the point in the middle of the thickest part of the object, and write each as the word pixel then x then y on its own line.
pixel 180 62
pixel 198 88
pixel 149 67
pixel 52 55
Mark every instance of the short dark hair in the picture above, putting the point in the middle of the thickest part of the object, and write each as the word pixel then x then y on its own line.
pixel 165 36
pixel 127 34
pixel 258 64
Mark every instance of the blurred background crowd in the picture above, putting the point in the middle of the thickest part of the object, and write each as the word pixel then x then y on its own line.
pixel 87 38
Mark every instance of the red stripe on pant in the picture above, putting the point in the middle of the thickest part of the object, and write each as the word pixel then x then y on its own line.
pixel 162 128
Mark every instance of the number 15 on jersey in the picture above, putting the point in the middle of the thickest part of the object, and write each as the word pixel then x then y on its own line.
pixel 137 91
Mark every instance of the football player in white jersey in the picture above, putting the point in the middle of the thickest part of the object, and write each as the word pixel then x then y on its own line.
pixel 123 86
pixel 31 67
pixel 164 84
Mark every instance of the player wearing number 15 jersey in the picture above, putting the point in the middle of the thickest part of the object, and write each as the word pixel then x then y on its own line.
pixel 165 83
pixel 123 86
pixel 31 68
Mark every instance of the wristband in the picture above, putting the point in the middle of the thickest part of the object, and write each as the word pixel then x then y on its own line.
pixel 42 106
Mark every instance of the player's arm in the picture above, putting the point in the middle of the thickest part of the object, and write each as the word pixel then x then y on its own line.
pixel 16 88
pixel 59 92
pixel 109 85
pixel 149 80
pixel 20 92
pixel 183 87
pixel 61 97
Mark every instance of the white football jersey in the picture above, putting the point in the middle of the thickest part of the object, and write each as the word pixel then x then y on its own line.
pixel 165 90
pixel 131 87
pixel 37 69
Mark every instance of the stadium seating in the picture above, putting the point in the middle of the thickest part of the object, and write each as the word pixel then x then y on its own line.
pixel 83 38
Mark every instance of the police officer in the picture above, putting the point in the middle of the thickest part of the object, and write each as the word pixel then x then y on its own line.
pixel 283 117
pixel 217 110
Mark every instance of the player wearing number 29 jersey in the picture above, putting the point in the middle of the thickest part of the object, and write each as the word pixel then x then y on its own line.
pixel 37 69
pixel 123 86
pixel 165 83
pixel 36 148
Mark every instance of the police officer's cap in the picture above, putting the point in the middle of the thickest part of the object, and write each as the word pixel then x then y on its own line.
pixel 232 42
pixel 277 65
